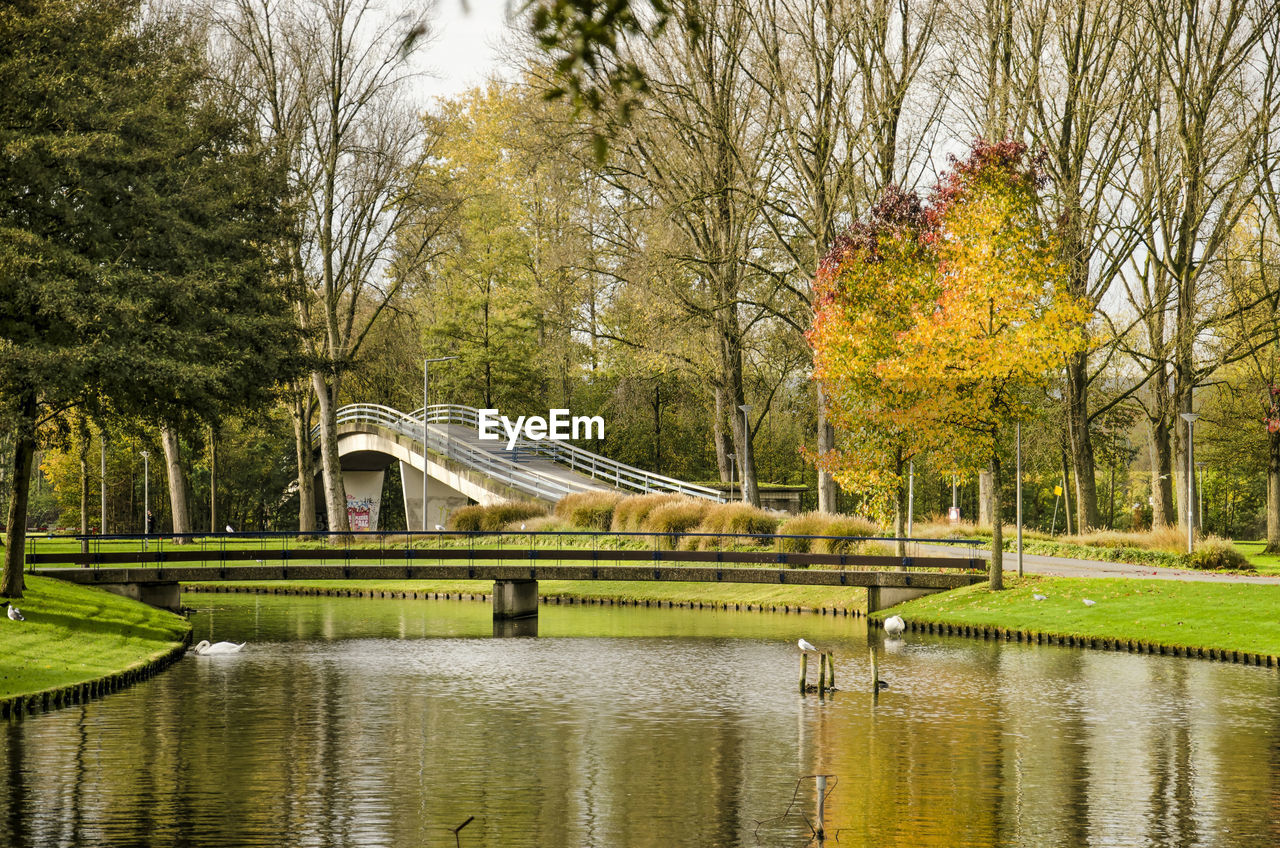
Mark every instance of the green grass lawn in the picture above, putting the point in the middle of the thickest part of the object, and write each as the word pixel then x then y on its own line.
pixel 1226 616
pixel 828 597
pixel 1265 563
pixel 75 634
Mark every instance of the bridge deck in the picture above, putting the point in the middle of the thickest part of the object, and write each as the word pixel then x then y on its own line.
pixel 471 571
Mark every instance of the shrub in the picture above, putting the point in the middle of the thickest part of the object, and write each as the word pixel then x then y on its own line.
pixel 589 510
pixel 495 516
pixel 630 513
pixel 1218 555
pixel 466 519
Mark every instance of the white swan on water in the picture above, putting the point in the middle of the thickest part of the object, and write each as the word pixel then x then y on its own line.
pixel 203 647
pixel 894 625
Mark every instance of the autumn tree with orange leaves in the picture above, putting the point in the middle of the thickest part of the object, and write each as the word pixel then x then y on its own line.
pixel 937 323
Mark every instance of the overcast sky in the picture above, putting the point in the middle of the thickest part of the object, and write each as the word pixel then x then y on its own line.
pixel 466 48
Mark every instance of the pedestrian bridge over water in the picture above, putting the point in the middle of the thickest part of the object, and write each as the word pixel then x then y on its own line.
pixel 154 574
pixel 462 468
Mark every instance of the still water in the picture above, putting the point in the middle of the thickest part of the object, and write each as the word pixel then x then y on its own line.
pixel 370 723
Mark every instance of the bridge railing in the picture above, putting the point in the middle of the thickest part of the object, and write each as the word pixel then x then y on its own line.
pixel 575 458
pixel 489 463
pixel 569 545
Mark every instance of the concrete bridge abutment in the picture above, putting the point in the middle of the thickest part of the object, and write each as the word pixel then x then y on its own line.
pixel 883 597
pixel 515 599
pixel 166 595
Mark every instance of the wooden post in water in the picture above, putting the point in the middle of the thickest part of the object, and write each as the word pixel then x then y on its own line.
pixel 804 671
pixel 875 670
pixel 822 674
pixel 831 669
pixel 820 830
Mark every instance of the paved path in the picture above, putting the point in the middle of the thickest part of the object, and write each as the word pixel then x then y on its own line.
pixel 1067 567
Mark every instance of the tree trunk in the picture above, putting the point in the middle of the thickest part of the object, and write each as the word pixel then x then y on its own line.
pixel 721 439
pixel 1082 459
pixel 335 493
pixel 1161 474
pixel 828 493
pixel 996 573
pixel 213 481
pixel 24 451
pixel 984 498
pixel 1273 494
pixel 899 504
pixel 1066 493
pixel 300 411
pixel 179 503
pixel 84 489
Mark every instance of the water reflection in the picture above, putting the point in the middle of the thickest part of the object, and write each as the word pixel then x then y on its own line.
pixel 387 723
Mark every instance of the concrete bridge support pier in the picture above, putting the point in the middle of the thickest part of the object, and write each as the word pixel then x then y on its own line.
pixel 883 597
pixel 163 595
pixel 515 599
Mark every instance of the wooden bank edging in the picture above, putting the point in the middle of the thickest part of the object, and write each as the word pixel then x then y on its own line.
pixel 481 596
pixel 1096 643
pixel 17 706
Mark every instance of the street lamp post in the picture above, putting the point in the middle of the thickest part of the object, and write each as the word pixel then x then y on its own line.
pixel 425 401
pixel 746 445
pixel 102 444
pixel 146 496
pixel 1190 418
pixel 1200 493
pixel 1018 473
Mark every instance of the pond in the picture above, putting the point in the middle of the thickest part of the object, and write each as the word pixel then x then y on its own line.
pixel 350 722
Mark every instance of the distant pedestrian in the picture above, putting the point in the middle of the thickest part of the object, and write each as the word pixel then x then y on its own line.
pixel 151 523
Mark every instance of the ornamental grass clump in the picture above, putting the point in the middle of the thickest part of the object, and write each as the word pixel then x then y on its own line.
pixel 589 510
pixel 1219 555
pixel 735 518
pixel 631 513
pixel 850 529
pixel 470 519
pixel 674 519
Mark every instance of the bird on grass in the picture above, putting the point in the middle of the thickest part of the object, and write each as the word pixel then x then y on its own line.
pixel 1089 603
pixel 15 614
pixel 1039 597
pixel 204 648
pixel 894 625
pixel 806 647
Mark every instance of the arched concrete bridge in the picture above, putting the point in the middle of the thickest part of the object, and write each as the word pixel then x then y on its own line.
pixel 463 468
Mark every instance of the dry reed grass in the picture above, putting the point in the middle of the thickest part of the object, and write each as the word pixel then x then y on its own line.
pixel 589 510
pixel 630 513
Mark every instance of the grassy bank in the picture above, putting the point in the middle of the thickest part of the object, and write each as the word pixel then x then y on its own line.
pixel 74 634
pixel 1221 616
pixel 808 597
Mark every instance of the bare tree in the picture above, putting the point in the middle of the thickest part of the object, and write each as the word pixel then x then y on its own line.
pixel 696 152
pixel 1082 117
pixel 1209 107
pixel 330 77
pixel 837 77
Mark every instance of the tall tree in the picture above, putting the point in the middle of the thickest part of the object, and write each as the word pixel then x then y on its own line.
pixel 329 80
pixel 131 269
pixel 994 324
